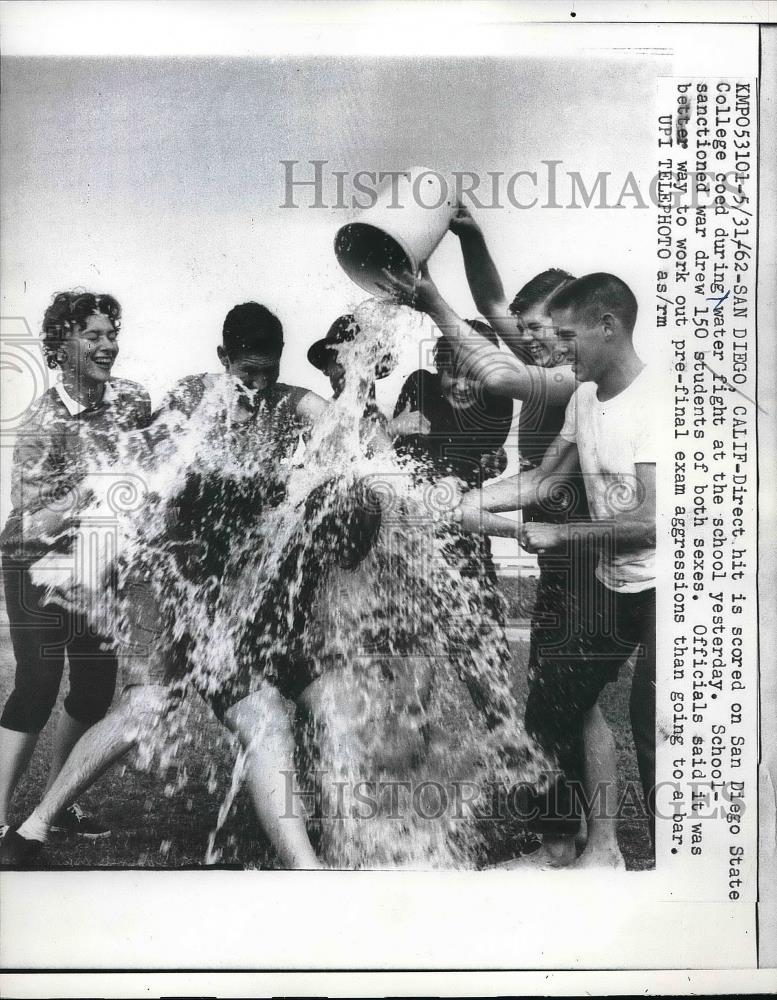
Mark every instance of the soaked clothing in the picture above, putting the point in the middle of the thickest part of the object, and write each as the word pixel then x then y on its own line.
pixel 218 503
pixel 59 442
pixel 372 414
pixel 338 596
pixel 55 449
pixel 238 475
pixel 276 644
pixel 279 399
pixel 459 443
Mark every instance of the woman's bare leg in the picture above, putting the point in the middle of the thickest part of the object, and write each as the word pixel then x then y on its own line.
pixel 262 722
pixel 102 745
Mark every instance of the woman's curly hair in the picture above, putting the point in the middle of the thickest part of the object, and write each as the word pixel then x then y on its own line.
pixel 69 313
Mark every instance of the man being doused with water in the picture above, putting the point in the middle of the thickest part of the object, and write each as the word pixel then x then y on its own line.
pixel 352 628
pixel 324 355
pixel 209 574
pixel 220 449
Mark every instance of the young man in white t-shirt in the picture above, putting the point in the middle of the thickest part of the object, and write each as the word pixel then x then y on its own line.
pixel 609 428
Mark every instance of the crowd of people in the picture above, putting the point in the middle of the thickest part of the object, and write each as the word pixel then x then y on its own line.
pixel 563 347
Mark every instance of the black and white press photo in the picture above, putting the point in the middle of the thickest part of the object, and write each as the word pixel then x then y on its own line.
pixel 380 482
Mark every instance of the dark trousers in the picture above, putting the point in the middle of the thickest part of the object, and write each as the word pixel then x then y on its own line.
pixel 570 666
pixel 41 635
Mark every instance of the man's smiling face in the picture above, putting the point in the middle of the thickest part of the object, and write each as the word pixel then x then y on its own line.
pixel 538 336
pixel 580 343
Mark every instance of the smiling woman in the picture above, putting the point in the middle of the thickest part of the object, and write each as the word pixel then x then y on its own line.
pixel 80 331
pixel 74 427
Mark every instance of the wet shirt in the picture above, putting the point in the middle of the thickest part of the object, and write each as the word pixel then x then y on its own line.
pixel 459 439
pixel 59 443
pixel 243 467
pixel 188 394
pixel 327 557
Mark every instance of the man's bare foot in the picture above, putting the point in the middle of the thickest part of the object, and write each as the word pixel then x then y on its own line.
pixel 546 858
pixel 555 852
pixel 520 862
pixel 600 857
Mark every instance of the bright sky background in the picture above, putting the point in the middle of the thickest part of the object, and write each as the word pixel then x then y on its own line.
pixel 160 181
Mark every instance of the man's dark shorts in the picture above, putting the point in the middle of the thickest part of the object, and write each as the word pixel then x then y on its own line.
pixel 583 636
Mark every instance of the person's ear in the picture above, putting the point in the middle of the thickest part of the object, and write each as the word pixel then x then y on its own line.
pixel 222 356
pixel 608 326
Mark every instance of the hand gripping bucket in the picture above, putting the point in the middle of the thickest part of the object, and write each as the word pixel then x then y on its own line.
pixel 400 231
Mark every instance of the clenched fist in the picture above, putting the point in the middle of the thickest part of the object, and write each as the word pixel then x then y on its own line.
pixel 462 223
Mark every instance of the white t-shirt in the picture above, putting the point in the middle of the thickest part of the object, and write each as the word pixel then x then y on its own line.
pixel 612 437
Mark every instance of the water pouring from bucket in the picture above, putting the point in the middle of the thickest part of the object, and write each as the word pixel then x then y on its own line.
pixel 400 231
pixel 334 581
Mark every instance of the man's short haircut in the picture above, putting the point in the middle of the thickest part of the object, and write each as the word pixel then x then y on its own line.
pixel 593 295
pixel 252 327
pixel 540 288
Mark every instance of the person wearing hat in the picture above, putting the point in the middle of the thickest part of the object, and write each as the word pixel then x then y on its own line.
pixel 323 355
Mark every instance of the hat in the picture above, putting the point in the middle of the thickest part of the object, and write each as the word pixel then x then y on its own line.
pixel 344 330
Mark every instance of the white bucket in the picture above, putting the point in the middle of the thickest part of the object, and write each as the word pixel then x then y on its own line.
pixel 398 238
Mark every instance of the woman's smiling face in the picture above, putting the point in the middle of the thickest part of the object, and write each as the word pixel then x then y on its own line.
pixel 89 354
pixel 457 389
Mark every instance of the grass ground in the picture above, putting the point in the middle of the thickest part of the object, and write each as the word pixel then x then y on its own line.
pixel 163 819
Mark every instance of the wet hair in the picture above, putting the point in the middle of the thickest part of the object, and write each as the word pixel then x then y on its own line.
pixel 596 294
pixel 69 313
pixel 339 528
pixel 349 528
pixel 252 327
pixel 540 288
pixel 445 352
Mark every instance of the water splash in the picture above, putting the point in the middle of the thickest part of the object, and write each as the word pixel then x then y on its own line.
pixel 334 575
pixel 212 853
